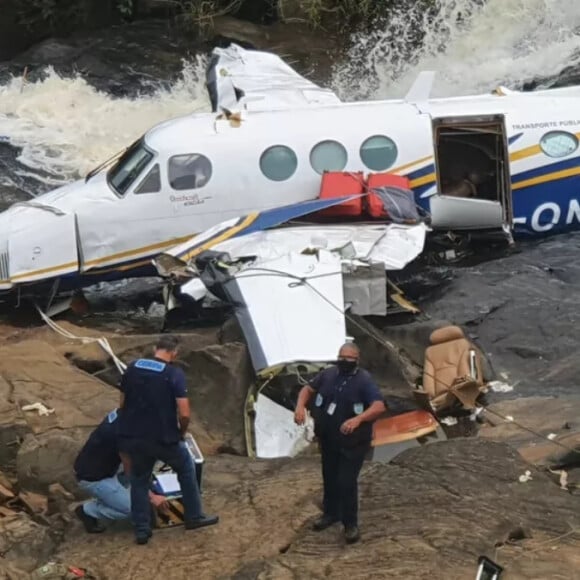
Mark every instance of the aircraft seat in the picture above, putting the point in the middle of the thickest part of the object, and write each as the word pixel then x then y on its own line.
pixel 452 371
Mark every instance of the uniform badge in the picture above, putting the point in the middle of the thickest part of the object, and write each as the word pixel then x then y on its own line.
pixel 358 408
pixel 112 416
pixel 318 400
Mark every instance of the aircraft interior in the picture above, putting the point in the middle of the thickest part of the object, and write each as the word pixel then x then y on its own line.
pixel 471 160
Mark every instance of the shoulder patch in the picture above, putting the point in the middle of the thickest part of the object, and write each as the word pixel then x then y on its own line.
pixel 150 365
pixel 112 416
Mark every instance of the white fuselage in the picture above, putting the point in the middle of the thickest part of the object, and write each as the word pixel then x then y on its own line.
pixel 103 233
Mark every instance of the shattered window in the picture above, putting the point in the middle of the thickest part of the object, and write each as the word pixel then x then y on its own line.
pixel 278 162
pixel 328 156
pixel 152 181
pixel 558 143
pixel 124 173
pixel 190 171
pixel 378 152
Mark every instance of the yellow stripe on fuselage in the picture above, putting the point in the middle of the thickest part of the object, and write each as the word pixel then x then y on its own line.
pixel 229 233
pixel 554 176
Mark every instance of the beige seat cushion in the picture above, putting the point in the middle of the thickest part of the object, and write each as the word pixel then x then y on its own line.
pixel 449 361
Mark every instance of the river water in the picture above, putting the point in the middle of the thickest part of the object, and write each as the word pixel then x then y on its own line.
pixel 63 127
pixel 524 307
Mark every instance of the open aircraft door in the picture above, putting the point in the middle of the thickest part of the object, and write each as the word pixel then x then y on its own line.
pixel 472 169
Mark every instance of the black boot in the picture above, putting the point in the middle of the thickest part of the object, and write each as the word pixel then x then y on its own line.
pixel 324 522
pixel 351 534
pixel 142 540
pixel 92 525
pixel 201 522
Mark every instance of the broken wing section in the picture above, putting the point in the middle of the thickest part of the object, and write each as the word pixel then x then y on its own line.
pixel 42 244
pixel 393 245
pixel 237 77
pixel 291 309
pixel 245 226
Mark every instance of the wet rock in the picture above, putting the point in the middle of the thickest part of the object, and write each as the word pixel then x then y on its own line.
pixel 23 542
pixel 555 417
pixel 310 52
pixel 11 572
pixel 120 59
pixel 92 358
pixel 58 498
pixel 33 502
pixel 522 309
pixel 542 414
pixel 48 458
pixel 64 404
pixel 411 512
pixel 391 367
pixel 7 482
pixel 231 331
pixel 78 400
pixel 219 377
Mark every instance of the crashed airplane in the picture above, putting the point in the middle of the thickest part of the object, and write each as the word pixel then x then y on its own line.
pixel 505 162
pixel 294 207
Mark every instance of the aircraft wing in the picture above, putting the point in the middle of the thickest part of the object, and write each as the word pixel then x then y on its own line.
pixel 180 255
pixel 258 80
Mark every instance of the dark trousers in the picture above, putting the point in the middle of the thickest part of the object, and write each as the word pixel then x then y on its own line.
pixel 143 456
pixel 340 470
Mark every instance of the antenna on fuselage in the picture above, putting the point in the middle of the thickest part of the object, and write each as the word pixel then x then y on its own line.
pixel 420 91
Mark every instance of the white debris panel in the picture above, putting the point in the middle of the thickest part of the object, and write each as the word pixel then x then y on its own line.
pixel 275 432
pixel 285 319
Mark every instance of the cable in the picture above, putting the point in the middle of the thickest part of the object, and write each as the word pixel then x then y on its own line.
pixel 102 342
pixel 304 280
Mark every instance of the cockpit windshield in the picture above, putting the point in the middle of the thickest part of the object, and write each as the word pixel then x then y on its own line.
pixel 124 173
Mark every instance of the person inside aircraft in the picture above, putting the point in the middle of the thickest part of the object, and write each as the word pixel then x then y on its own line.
pixel 462 187
pixel 467 186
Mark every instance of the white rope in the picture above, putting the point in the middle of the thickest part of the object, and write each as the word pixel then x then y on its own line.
pixel 102 342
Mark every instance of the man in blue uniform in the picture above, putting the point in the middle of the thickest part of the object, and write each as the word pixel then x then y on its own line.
pixel 346 404
pixel 154 419
pixel 96 469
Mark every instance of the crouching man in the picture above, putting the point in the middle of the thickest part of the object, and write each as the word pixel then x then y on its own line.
pixel 96 469
pixel 346 404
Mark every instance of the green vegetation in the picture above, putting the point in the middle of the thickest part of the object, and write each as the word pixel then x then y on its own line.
pixel 198 15
pixel 334 16
pixel 341 14
pixel 53 15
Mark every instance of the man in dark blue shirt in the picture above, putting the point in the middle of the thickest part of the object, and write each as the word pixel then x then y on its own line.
pixel 347 403
pixel 154 419
pixel 96 469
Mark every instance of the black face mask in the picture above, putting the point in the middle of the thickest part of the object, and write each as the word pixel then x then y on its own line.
pixel 346 366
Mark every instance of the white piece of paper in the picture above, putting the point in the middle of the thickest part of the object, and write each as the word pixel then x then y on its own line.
pixel 168 483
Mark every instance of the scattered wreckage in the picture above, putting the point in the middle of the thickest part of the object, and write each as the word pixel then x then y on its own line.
pixel 501 164
pixel 292 288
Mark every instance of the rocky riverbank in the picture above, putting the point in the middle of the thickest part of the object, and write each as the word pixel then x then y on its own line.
pixel 435 508
pixel 430 514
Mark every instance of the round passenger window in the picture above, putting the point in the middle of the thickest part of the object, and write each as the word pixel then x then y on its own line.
pixel 378 153
pixel 328 156
pixel 558 143
pixel 278 163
